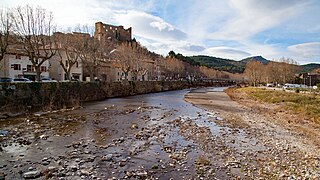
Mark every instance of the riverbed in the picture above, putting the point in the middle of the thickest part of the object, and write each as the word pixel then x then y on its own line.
pixel 151 136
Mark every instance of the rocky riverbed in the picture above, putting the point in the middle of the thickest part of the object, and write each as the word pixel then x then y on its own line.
pixel 154 136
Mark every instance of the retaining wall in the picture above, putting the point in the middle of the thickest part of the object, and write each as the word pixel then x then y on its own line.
pixel 24 97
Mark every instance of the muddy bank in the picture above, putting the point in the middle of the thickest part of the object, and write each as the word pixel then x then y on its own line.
pixel 269 149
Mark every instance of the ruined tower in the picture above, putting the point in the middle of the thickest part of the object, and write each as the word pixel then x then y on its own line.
pixel 106 31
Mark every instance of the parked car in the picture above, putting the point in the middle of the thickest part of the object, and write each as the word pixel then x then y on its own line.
pixel 4 79
pixel 47 79
pixel 288 86
pixel 22 80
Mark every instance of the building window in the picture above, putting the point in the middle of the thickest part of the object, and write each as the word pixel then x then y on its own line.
pixel 77 64
pixel 16 66
pixel 30 68
pixel 43 69
pixel 18 56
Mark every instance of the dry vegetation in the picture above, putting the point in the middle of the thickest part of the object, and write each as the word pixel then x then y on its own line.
pixel 304 105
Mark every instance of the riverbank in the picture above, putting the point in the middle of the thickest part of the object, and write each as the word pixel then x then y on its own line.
pixel 279 150
pixel 17 98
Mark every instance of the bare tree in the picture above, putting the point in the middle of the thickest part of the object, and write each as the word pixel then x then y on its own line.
pixel 68 46
pixel 93 52
pixel 126 56
pixel 288 69
pixel 174 68
pixel 141 57
pixel 254 71
pixel 281 71
pixel 91 56
pixel 5 27
pixel 34 27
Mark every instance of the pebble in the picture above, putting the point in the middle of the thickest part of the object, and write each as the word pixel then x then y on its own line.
pixel 73 168
pixel 108 157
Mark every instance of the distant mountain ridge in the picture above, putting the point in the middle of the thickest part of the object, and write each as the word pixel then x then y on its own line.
pixel 255 58
pixel 234 66
pixel 309 67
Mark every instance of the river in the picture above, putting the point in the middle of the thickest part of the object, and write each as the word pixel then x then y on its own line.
pixel 121 137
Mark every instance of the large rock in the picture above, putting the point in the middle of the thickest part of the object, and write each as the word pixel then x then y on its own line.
pixel 32 174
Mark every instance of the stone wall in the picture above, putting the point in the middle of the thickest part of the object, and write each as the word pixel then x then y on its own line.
pixel 24 97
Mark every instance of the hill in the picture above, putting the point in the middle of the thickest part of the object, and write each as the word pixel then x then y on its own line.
pixel 255 58
pixel 228 65
pixel 220 63
pixel 309 67
pixel 233 66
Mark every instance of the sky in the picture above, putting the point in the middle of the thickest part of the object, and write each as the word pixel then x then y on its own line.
pixel 233 29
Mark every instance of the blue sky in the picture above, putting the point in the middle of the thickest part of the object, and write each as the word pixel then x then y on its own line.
pixel 223 28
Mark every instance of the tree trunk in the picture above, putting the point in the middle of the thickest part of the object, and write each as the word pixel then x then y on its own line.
pixel 91 77
pixel 38 73
pixel 68 74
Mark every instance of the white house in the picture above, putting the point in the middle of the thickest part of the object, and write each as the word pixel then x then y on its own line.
pixel 17 65
pixel 57 72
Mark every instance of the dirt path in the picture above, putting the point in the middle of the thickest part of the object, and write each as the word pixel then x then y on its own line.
pixel 274 152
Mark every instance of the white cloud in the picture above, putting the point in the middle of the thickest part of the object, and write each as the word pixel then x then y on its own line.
pixel 306 50
pixel 226 52
pixel 149 26
pixel 163 48
pixel 161 25
pixel 254 16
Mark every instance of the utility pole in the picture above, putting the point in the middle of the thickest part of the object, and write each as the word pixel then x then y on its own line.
pixel 310 81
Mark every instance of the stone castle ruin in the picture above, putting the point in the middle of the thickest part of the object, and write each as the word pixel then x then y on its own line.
pixel 110 32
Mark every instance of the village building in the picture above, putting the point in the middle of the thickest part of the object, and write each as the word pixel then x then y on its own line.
pixel 310 79
pixel 57 72
pixel 60 58
pixel 17 65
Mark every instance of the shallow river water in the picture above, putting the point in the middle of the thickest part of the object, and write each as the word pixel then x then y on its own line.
pixel 141 136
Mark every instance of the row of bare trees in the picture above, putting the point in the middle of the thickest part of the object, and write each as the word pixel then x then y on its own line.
pixel 277 72
pixel 132 58
pixel 173 68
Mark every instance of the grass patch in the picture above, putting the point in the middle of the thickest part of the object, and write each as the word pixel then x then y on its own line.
pixel 304 104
